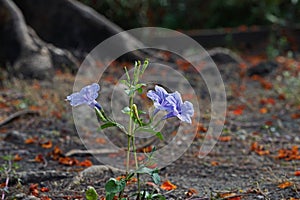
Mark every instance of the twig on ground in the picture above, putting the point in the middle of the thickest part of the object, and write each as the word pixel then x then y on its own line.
pixel 18 114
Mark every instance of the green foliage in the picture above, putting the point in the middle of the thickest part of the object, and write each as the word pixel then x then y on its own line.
pixel 113 187
pixel 91 193
pixel 152 172
pixel 192 14
pixel 116 187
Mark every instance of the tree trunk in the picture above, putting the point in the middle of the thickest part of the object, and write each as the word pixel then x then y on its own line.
pixel 59 34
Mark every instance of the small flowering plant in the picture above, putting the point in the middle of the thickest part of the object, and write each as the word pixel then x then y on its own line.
pixel 170 103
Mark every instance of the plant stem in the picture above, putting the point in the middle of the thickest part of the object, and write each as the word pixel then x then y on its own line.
pixel 136 163
pixel 129 136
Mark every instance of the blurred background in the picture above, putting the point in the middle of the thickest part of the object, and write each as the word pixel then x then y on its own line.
pixel 198 14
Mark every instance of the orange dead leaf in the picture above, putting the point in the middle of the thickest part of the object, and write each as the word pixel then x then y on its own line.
pixel 47 145
pixel 2 185
pixel 266 85
pixel 45 198
pixel 44 189
pixel 167 185
pixel 263 110
pixel 289 154
pixel 201 128
pixel 285 184
pixel 295 116
pixel 39 158
pixel 33 188
pixel 228 195
pixel 56 153
pixel 191 192
pixel 183 64
pixel 85 163
pixel 259 149
pixel 17 158
pixel 34 108
pixel 68 161
pixel 238 110
pixel 265 101
pixel 101 141
pixel 214 163
pixel 297 173
pixel 30 140
pixel 57 114
pixel 224 138
pixel 36 85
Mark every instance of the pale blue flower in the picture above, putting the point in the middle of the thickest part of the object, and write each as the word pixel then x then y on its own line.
pixel 87 95
pixel 172 103
pixel 159 98
pixel 184 111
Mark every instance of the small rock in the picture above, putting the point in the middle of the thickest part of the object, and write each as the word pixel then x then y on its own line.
pixel 31 198
pixel 20 196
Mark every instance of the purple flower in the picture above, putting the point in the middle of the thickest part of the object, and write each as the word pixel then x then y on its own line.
pixel 184 111
pixel 87 95
pixel 172 103
pixel 159 98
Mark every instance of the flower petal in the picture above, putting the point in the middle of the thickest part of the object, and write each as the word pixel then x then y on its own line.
pixel 87 95
pixel 76 99
pixel 187 111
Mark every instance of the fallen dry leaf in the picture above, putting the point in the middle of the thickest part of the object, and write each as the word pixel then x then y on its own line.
pixel 39 158
pixel 44 189
pixel 167 185
pixel 285 184
pixel 68 161
pixel 289 154
pixel 263 110
pixel 191 192
pixel 224 138
pixel 85 163
pixel 295 116
pixel 17 158
pixel 33 188
pixel 31 140
pixel 259 149
pixel 265 101
pixel 47 145
pixel 101 141
pixel 214 163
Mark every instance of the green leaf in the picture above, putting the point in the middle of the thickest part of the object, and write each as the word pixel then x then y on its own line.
pixel 139 90
pixel 152 172
pixel 126 110
pixel 145 65
pixel 156 178
pixel 144 170
pixel 159 135
pixel 127 75
pixel 91 193
pixel 110 196
pixel 125 82
pixel 149 129
pixel 100 115
pixel 113 186
pixel 107 125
